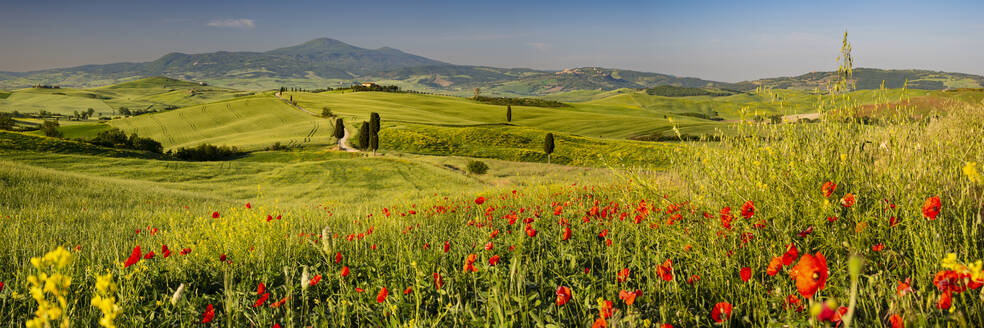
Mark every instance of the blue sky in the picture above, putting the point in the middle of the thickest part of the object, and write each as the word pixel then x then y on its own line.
pixel 718 40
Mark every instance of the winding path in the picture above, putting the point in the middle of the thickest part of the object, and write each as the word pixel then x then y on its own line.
pixel 342 143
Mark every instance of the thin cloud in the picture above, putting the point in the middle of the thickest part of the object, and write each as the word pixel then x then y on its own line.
pixel 539 45
pixel 240 23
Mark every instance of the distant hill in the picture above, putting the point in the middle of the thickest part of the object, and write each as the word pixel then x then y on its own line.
pixel 327 62
pixel 871 78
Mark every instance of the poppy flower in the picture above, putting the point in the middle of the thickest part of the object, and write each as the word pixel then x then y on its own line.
pixel 480 200
pixel 896 321
pixel 600 323
pixel 721 312
pixel 794 302
pixel 248 205
pixel 263 298
pixel 1 286
pixel 260 289
pixel 269 218
pixel 745 273
pixel 438 281
pixel 149 255
pixel 215 215
pixel 209 314
pixel 774 266
pixel 810 274
pixel 607 309
pixel 904 287
pixel 381 297
pixel 222 258
pixel 470 263
pixel 494 260
pixel 665 270
pixel 134 257
pixel 488 246
pixel 314 280
pixel 629 297
pixel 748 210
pixel 848 200
pixel 408 291
pixel 563 295
pixel 693 279
pixel 345 271
pixel 878 247
pixel 931 208
pixel 946 300
pixel 338 257
pixel 447 246
pixel 804 233
pixel 892 221
pixel 828 188
pixel 621 276
pixel 276 325
pixel 359 290
pixel 790 255
pixel 567 234
pixel 165 251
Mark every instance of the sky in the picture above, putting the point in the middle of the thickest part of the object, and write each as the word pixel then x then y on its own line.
pixel 726 41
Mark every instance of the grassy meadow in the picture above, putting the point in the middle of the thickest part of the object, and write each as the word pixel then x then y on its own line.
pixel 868 216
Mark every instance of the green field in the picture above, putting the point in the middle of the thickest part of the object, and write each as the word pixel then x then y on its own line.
pixel 155 93
pixel 250 123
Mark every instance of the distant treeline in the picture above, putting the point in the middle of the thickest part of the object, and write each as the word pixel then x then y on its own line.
pixel 206 152
pixel 116 138
pixel 505 101
pixel 675 91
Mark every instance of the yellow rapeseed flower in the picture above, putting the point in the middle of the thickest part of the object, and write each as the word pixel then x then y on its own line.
pixel 970 170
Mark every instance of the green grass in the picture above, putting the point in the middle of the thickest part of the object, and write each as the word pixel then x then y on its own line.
pixel 155 93
pixel 250 123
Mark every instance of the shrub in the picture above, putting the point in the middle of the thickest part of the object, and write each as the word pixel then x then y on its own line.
pixel 116 138
pixel 50 128
pixel 477 167
pixel 207 152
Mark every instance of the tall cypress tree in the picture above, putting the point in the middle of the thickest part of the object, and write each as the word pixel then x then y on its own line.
pixel 374 123
pixel 548 145
pixel 339 132
pixel 364 133
pixel 508 113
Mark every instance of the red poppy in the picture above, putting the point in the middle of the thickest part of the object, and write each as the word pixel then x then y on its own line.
pixel 1 286
pixel 408 291
pixel 315 280
pixel 878 247
pixel 629 297
pixel 790 255
pixel 726 217
pixel 607 309
pixel 447 246
pixel 931 208
pixel 748 210
pixel 438 280
pixel 149 255
pixel 896 321
pixel 794 302
pixel 804 233
pixel 494 260
pixel 248 205
pixel 209 314
pixel 563 295
pixel 810 274
pixel 828 188
pixel 774 266
pixel 165 251
pixel 338 257
pixel 470 263
pixel 946 300
pixel 745 273
pixel 215 215
pixel 276 325
pixel 665 270
pixel 621 276
pixel 600 323
pixel 848 200
pixel 359 290
pixel 381 297
pixel 222 258
pixel 693 279
pixel 892 221
pixel 721 312
pixel 345 271
pixel 567 234
pixel 480 200
pixel 488 246
pixel 134 257
pixel 904 287
pixel 263 298
pixel 260 289
pixel 186 251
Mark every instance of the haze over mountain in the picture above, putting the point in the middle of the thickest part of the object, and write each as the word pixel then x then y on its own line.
pixel 328 62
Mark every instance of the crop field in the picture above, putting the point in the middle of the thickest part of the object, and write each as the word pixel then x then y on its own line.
pixel 251 123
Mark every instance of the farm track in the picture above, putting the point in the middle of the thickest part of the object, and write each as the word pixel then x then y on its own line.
pixel 342 143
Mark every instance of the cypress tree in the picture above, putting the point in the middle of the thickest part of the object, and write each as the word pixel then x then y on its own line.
pixel 339 132
pixel 508 113
pixel 374 143
pixel 364 134
pixel 374 123
pixel 548 145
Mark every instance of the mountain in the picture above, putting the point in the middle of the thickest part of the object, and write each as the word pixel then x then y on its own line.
pixel 328 62
pixel 316 59
pixel 871 78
